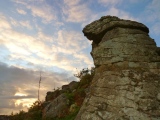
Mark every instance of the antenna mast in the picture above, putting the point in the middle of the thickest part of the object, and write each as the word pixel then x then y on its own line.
pixel 39 86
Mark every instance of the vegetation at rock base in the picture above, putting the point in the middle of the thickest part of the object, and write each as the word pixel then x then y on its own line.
pixel 34 113
pixel 74 95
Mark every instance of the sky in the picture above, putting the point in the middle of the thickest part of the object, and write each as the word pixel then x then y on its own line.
pixel 46 36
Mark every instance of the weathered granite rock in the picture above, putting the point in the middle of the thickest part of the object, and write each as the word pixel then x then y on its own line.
pixel 97 29
pixel 56 107
pixel 52 95
pixel 126 85
pixel 71 86
pixel 65 88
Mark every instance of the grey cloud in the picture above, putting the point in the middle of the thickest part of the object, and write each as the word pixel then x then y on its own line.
pixel 17 97
pixel 19 80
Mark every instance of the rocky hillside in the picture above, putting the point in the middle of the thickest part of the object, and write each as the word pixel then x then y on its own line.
pixel 60 104
pixel 126 85
pixel 65 103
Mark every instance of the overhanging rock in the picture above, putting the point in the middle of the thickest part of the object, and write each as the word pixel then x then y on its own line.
pixel 126 84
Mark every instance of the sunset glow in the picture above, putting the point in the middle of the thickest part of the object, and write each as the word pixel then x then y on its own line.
pixel 25 102
pixel 20 94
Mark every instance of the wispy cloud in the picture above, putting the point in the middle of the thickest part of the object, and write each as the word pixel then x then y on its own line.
pixel 43 37
pixel 109 2
pixel 4 24
pixel 20 11
pixel 71 40
pixel 16 23
pixel 120 13
pixel 46 50
pixel 13 22
pixel 152 13
pixel 156 28
pixel 75 11
pixel 25 24
pixel 38 9
pixel 45 12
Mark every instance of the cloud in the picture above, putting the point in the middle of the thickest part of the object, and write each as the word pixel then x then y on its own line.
pixel 38 9
pixel 71 40
pixel 14 22
pixel 23 44
pixel 46 50
pixel 109 7
pixel 22 12
pixel 75 11
pixel 19 2
pixel 25 24
pixel 119 13
pixel 154 7
pixel 43 12
pixel 109 2
pixel 156 28
pixel 17 97
pixel 20 23
pixel 152 13
pixel 71 45
pixel 43 37
pixel 4 24
pixel 18 87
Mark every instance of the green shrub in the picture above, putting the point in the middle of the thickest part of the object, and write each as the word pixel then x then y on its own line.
pixel 34 113
pixel 70 97
pixel 18 116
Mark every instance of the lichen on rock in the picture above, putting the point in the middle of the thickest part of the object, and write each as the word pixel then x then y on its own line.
pixel 126 84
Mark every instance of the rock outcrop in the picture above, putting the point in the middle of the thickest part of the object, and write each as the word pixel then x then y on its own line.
pixel 126 84
pixel 70 87
pixel 58 102
pixel 56 107
pixel 52 95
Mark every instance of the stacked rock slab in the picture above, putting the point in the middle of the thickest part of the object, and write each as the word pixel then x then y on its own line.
pixel 126 85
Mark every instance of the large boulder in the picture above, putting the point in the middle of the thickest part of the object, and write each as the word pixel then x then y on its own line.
pixel 126 84
pixel 73 85
pixel 52 95
pixel 97 29
pixel 70 87
pixel 56 108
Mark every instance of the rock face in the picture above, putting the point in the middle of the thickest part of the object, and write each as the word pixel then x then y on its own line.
pixel 71 86
pixel 126 85
pixel 56 108
pixel 52 95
